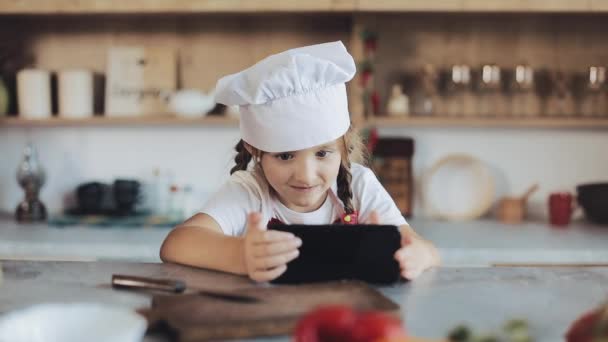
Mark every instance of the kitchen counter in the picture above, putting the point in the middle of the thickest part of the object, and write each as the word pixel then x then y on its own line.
pixel 476 243
pixel 484 298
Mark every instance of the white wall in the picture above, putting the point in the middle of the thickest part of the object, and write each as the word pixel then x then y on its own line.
pixel 196 155
pixel 202 156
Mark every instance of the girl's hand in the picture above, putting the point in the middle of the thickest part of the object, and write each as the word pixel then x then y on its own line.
pixel 415 255
pixel 267 252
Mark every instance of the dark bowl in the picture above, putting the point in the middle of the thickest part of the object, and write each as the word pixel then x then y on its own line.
pixel 126 194
pixel 89 196
pixel 593 198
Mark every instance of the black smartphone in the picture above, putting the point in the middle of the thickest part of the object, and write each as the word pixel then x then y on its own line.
pixel 337 252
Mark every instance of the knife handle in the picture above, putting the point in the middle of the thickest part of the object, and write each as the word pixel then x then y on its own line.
pixel 134 282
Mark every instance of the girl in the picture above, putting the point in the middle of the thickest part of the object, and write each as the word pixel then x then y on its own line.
pixel 296 163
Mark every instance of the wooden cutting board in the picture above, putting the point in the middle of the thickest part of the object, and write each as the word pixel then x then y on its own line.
pixel 193 317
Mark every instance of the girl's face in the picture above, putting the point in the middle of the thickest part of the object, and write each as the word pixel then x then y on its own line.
pixel 301 178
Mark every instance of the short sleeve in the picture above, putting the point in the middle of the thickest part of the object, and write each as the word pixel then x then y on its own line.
pixel 370 195
pixel 230 205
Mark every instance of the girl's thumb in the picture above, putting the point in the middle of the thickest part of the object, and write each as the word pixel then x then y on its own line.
pixel 374 218
pixel 254 221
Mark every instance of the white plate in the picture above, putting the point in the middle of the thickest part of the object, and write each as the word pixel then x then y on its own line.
pixel 458 187
pixel 76 322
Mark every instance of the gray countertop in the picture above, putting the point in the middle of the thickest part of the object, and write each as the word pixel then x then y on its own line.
pixel 475 243
pixel 548 298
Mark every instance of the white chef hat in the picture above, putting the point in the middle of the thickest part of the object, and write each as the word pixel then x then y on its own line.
pixel 292 100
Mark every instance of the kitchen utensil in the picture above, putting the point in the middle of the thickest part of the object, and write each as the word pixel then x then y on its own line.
pixel 560 208
pixel 458 187
pixel 173 285
pixel 593 198
pixel 513 209
pixel 199 318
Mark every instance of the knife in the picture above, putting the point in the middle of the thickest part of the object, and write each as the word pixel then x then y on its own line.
pixel 123 281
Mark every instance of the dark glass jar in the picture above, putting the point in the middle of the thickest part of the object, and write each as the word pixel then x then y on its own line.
pixel 392 162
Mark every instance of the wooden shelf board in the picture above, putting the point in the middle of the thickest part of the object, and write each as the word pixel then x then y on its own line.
pixel 523 122
pixel 50 7
pixel 71 7
pixel 155 120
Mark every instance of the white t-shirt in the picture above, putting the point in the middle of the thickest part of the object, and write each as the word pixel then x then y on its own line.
pixel 247 191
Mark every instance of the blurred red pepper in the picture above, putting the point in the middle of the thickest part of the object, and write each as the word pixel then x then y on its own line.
pixel 591 326
pixel 341 323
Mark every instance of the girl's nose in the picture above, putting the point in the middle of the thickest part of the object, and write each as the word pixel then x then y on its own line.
pixel 305 171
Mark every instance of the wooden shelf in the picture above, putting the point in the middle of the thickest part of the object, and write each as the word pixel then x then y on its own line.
pixel 513 122
pixel 71 7
pixel 522 122
pixel 50 7
pixel 152 120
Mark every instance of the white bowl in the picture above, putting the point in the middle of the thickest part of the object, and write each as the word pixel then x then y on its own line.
pixel 75 322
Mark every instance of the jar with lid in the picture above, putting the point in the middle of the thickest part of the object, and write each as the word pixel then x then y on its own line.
pixel 426 97
pixel 458 100
pixel 594 98
pixel 560 101
pixel 489 91
pixel 524 101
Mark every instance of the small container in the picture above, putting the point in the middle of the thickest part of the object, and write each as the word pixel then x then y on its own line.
pixel 34 93
pixel 512 210
pixel 75 91
pixel 393 164
pixel 560 208
pixel 489 88
pixel 595 99
pixel 458 99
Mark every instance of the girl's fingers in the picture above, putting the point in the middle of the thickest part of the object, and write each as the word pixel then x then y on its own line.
pixel 269 249
pixel 374 218
pixel 403 254
pixel 411 274
pixel 268 274
pixel 275 260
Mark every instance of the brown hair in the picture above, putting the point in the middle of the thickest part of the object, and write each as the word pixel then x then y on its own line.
pixel 353 150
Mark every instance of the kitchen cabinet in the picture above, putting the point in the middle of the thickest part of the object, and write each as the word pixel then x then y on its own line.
pixel 214 38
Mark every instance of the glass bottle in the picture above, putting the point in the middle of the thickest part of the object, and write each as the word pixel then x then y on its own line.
pixel 31 177
pixel 594 101
pixel 489 90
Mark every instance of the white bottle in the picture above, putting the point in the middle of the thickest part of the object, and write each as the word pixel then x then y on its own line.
pixel 398 103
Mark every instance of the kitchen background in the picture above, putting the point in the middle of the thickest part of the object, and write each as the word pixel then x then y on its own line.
pixel 556 152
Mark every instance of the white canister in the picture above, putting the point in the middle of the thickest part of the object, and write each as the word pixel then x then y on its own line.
pixel 34 93
pixel 75 91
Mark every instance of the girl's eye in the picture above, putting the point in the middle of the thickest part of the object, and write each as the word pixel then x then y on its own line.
pixel 284 156
pixel 322 154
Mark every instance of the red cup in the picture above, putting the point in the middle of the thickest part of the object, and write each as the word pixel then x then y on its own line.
pixel 560 208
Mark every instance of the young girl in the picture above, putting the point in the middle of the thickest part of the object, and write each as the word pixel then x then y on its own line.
pixel 296 164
